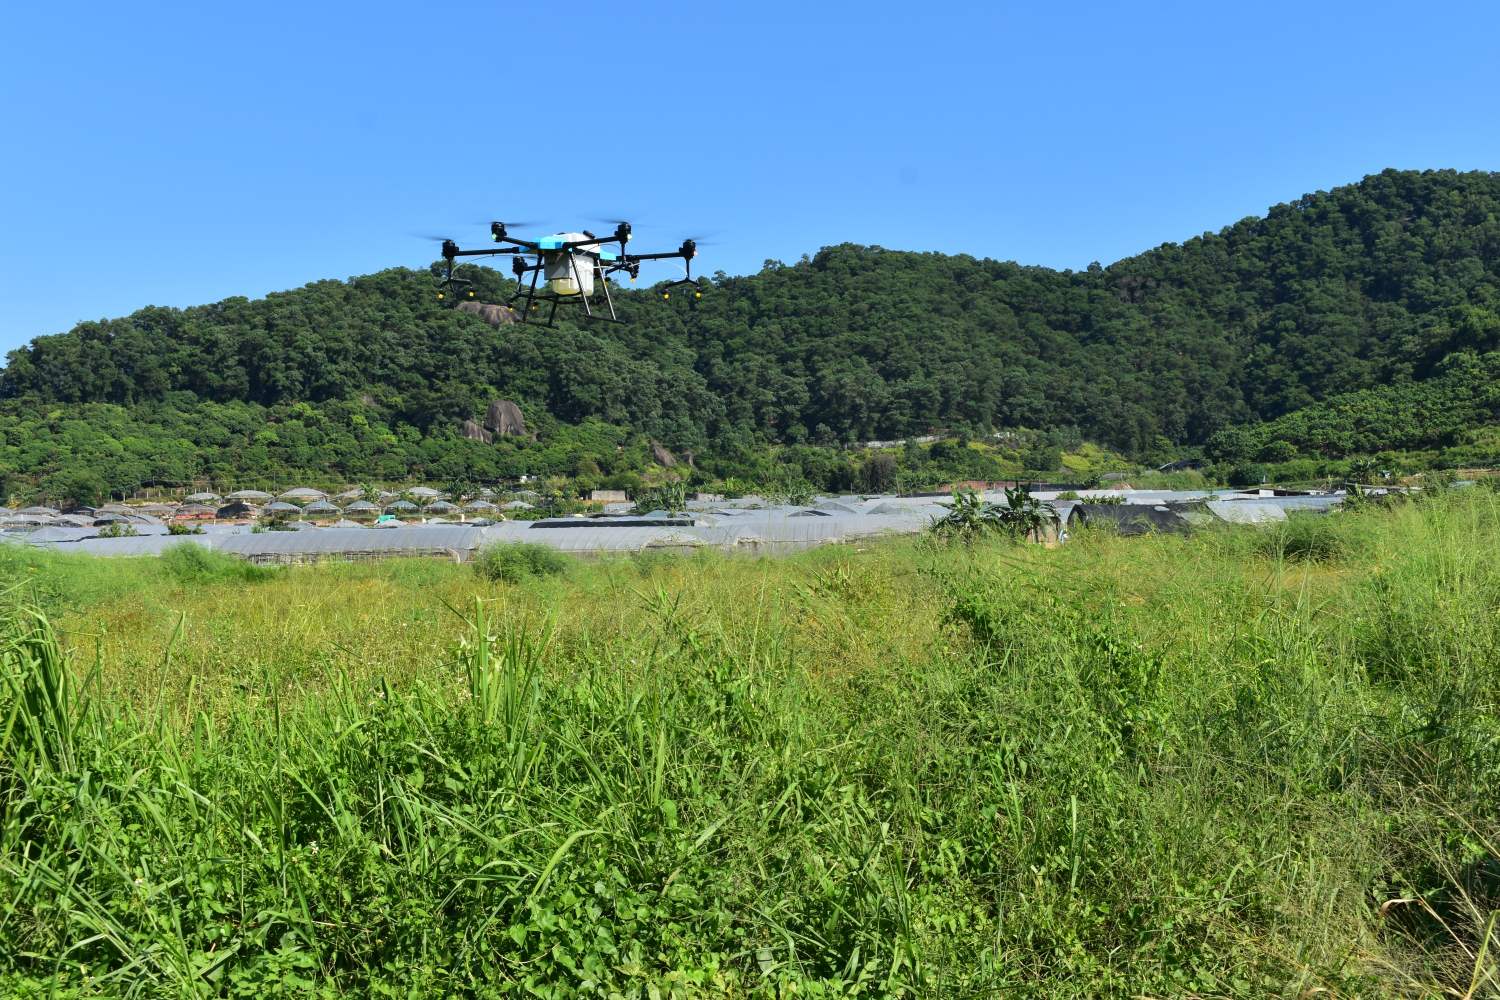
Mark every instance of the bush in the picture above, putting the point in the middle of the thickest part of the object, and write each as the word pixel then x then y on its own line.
pixel 878 475
pixel 649 561
pixel 189 563
pixel 177 528
pixel 1278 451
pixel 515 561
pixel 1043 458
pixel 971 517
pixel 1246 475
pixel 1304 538
pixel 671 497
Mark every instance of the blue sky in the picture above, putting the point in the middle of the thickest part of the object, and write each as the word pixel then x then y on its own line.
pixel 174 154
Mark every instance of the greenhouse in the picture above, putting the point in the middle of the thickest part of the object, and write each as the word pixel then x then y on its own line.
pixel 748 524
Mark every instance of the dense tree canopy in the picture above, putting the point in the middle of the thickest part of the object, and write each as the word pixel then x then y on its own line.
pixel 1376 284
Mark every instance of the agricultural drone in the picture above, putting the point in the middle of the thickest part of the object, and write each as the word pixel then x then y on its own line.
pixel 573 264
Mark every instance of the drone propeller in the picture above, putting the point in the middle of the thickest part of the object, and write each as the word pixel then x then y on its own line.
pixel 498 228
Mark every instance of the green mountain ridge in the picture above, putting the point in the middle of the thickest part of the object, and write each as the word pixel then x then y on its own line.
pixel 1373 287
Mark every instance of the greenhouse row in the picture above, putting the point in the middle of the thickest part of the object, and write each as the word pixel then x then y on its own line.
pixel 748 524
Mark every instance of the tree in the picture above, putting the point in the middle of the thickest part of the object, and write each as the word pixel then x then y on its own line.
pixel 878 474
pixel 1044 458
pixel 75 487
pixel 1346 322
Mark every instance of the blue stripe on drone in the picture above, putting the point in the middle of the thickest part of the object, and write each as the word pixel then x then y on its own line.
pixel 550 243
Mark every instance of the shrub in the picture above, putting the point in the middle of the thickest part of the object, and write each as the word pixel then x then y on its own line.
pixel 1022 516
pixel 971 517
pixel 878 475
pixel 1304 538
pixel 1246 475
pixel 671 497
pixel 189 563
pixel 1359 499
pixel 177 528
pixel 515 561
pixel 1043 458
pixel 787 490
pixel 1278 451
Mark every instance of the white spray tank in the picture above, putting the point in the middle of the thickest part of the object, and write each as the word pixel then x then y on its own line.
pixel 567 273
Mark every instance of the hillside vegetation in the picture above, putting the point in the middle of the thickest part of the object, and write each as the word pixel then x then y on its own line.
pixel 1383 284
pixel 1242 763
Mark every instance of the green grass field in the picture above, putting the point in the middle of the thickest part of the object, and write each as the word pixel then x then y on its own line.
pixel 1246 763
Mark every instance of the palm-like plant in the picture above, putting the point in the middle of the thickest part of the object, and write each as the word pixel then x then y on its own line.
pixel 1363 470
pixel 670 497
pixel 971 517
pixel 1024 516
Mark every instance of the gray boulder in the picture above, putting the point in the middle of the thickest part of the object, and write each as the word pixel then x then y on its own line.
pixel 492 314
pixel 504 418
pixel 663 457
pixel 475 431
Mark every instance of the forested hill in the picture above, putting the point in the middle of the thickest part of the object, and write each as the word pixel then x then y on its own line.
pixel 1371 284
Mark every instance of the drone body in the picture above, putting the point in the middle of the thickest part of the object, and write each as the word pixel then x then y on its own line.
pixel 563 277
pixel 574 265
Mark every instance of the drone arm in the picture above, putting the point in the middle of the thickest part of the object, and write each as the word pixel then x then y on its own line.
pixel 584 244
pixel 529 246
pixel 485 253
pixel 634 257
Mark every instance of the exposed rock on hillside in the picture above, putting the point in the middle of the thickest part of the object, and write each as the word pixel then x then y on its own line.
pixel 492 314
pixel 474 431
pixel 662 455
pixel 504 418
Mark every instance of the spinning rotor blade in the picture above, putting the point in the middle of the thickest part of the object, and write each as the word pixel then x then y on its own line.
pixel 609 220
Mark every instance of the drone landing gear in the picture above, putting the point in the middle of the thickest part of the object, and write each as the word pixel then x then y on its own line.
pixel 666 290
pixel 535 298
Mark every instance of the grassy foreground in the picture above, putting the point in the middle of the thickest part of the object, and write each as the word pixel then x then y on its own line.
pixel 1246 763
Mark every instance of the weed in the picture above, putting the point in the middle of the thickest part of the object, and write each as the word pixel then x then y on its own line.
pixel 1157 766
pixel 670 497
pixel 513 562
pixel 188 563
pixel 972 517
pixel 1304 538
